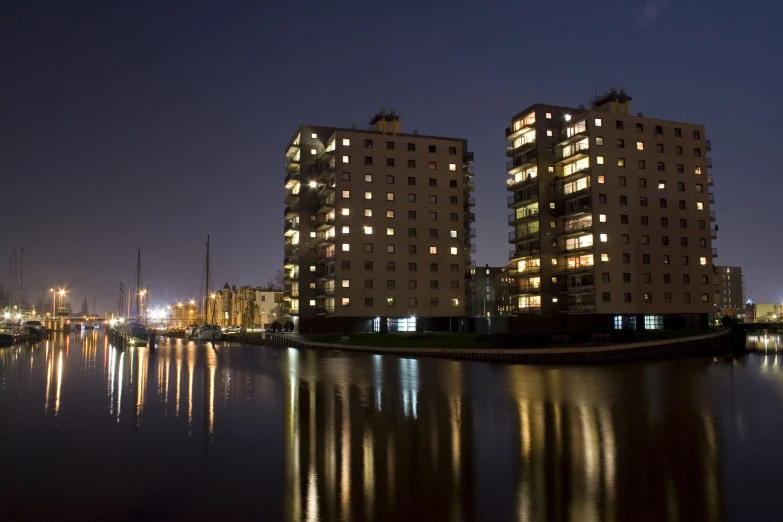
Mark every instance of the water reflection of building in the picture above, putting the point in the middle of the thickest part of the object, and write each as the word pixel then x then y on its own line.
pixel 581 460
pixel 355 450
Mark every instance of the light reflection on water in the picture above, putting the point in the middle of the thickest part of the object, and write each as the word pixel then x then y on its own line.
pixel 300 435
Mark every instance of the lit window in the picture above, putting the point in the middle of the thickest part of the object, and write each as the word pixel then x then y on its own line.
pixel 702 261
pixel 601 178
pixel 621 162
pixel 346 142
pixel 389 301
pixel 312 268
pixel 433 250
pixel 599 140
pixel 390 214
pixel 314 136
pixel 368 230
pixel 390 196
pixel 390 231
pixel 453 251
pixel 368 195
pixel 368 178
pixel 699 205
pixel 598 122
pixel 604 257
pixel 345 211
pixel 567 117
pixel 602 218
pixel 554 299
pixel 312 302
pixel 367 212
pixel 453 167
pixel 697 170
pixel 453 234
pixel 603 238
pixel 661 185
pixel 312 234
pixel 599 160
pixel 346 301
pixel 548 132
pixel 455 302
pixel 346 229
pixel 346 247
pixel 554 261
pixel 548 115
pixel 313 152
pixel 346 194
pixel 639 145
pixel 346 159
pixel 551 169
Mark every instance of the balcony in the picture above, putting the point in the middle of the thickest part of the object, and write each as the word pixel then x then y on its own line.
pixel 580 150
pixel 470 217
pixel 289 247
pixel 579 269
pixel 325 258
pixel 515 184
pixel 525 125
pixel 529 310
pixel 514 237
pixel 712 215
pixel 293 145
pixel 707 145
pixel 709 163
pixel 521 198
pixel 566 139
pixel 516 149
pixel 470 202
pixel 470 248
pixel 576 210
pixel 292 165
pixel 575 250
pixel 714 232
pixel 291 211
pixel 712 197
pixel 471 233
pixel 291 197
pixel 325 205
pixel 325 223
pixel 291 261
pixel 525 290
pixel 470 186
pixel 709 180
pixel 521 163
pixel 561 194
pixel 325 241
pixel 323 310
pixel 580 289
pixel 714 252
pixel 513 219
pixel 578 227
pixel 290 228
pixel 581 308
pixel 291 179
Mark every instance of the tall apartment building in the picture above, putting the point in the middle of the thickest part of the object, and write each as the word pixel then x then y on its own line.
pixel 493 286
pixel 377 228
pixel 611 216
pixel 730 290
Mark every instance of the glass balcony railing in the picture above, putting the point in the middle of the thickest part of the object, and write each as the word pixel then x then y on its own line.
pixel 708 145
pixel 710 180
pixel 709 163
pixel 712 215
pixel 712 197
pixel 714 252
pixel 574 151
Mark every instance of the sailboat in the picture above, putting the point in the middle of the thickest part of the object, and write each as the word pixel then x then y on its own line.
pixel 138 332
pixel 207 331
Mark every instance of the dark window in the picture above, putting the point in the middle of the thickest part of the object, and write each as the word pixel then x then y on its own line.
pixel 412 249
pixel 453 200
pixel 602 198
pixel 686 279
pixel 433 285
pixel 433 148
pixel 667 298
pixel 667 278
pixel 678 150
pixel 645 240
pixel 433 182
pixel 411 232
pixel 702 242
pixel 683 223
pixel 368 266
pixel 411 164
pixel 345 265
pixel 623 200
pixel 412 284
pixel 680 168
pixel 685 260
pixel 390 266
pixel 619 124
pixel 411 147
pixel 697 152
pixel 390 284
pixel 368 248
pixel 368 160
pixel 433 267
pixel 433 198
pixel 390 180
pixel 368 284
pixel 620 143
pixel 658 129
pixel 663 202
pixel 665 259
pixel 684 241
pixel 627 297
pixel 646 259
pixel 367 144
pixel 626 277
pixel 696 135
pixel 646 278
pixel 412 301
pixel 453 217
pixel 432 165
pixel 686 298
pixel 606 297
pixel 681 186
pixel 623 181
pixel 626 258
pixel 452 151
pixel 641 164
pixel 346 176
pixel 433 215
pixel 664 222
pixel 368 301
pixel 659 147
pixel 702 224
pixel 433 233
pixel 455 285
pixel 639 127
pixel 642 201
pixel 677 132
pixel 623 219
pixel 605 277
pixel 664 240
pixel 411 198
pixel 681 204
pixel 642 182
pixel 411 180
pixel 624 239
pixel 389 162
pixel 433 301
pixel 411 214
pixel 704 279
pixel 389 145
pixel 454 267
pixel 452 183
pixel 411 267
pixel 645 221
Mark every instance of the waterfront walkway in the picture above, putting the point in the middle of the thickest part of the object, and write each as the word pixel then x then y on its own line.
pixel 712 343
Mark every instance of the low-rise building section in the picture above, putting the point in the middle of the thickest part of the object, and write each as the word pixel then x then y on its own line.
pixel 248 306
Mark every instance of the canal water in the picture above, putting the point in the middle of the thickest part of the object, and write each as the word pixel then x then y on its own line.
pixel 191 432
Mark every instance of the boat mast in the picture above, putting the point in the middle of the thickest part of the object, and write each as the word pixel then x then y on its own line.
pixel 206 293
pixel 138 285
pixel 122 292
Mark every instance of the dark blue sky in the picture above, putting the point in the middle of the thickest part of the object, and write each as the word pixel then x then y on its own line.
pixel 150 124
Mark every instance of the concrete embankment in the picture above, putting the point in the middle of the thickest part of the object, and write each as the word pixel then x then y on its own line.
pixel 708 344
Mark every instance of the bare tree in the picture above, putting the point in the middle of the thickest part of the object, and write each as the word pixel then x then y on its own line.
pixel 276 282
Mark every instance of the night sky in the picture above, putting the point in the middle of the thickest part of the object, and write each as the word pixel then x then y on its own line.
pixel 150 124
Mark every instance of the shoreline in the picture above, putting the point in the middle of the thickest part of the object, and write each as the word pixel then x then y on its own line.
pixel 710 343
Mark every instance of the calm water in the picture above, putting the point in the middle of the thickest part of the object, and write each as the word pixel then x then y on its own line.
pixel 188 432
